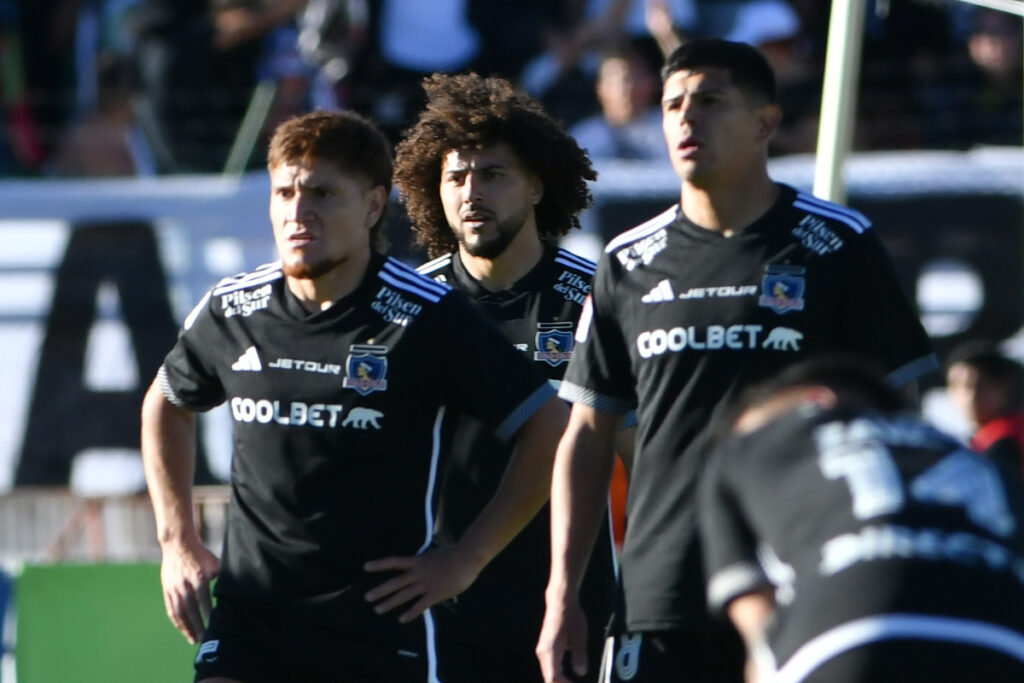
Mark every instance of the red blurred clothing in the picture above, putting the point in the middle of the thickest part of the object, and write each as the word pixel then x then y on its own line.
pixel 1002 439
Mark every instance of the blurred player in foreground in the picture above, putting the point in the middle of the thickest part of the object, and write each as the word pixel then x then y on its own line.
pixel 850 541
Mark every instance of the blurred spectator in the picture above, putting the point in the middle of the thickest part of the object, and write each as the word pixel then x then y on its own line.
pixel 45 38
pixel 410 39
pixel 986 387
pixel 977 99
pixel 198 68
pixel 563 74
pixel 994 113
pixel 775 28
pixel 629 123
pixel 906 48
pixel 333 37
pixel 513 34
pixel 20 148
pixel 106 141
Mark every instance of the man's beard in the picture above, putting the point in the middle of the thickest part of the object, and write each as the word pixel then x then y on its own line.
pixel 505 232
pixel 310 271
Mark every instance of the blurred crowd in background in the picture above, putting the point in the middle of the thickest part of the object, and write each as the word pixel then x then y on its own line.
pixel 142 87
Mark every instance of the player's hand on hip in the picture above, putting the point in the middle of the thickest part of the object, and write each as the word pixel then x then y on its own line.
pixel 424 580
pixel 185 573
pixel 564 630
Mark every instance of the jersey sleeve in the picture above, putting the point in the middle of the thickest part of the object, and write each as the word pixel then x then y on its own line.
pixel 599 372
pixel 482 374
pixel 188 376
pixel 878 320
pixel 730 544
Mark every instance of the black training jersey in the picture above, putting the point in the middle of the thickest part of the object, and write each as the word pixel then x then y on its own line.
pixel 538 315
pixel 682 317
pixel 871 529
pixel 337 416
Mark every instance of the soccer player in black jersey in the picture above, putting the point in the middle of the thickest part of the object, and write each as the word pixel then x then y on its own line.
pixel 491 182
pixel 742 277
pixel 341 366
pixel 851 541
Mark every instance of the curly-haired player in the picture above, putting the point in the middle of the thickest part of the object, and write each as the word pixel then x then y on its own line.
pixel 490 182
pixel 469 112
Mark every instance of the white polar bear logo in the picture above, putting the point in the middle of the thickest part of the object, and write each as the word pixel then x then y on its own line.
pixel 783 339
pixel 363 418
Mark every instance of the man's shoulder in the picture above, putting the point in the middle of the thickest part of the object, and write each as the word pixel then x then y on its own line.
pixel 240 295
pixel 438 269
pixel 401 277
pixel 846 221
pixel 258 277
pixel 567 260
pixel 645 231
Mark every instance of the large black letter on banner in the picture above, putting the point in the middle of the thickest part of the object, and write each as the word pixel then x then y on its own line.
pixel 65 416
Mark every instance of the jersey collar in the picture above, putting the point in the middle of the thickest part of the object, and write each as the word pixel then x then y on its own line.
pixel 532 281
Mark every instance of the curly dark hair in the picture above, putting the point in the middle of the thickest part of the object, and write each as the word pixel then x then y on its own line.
pixel 468 111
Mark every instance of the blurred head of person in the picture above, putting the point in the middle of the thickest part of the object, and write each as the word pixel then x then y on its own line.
pixel 627 84
pixel 994 43
pixel 983 383
pixel 826 382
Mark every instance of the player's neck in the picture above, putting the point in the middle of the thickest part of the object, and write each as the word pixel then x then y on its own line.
pixel 729 207
pixel 504 270
pixel 320 293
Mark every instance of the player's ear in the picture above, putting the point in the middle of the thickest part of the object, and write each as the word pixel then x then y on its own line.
pixel 769 116
pixel 376 201
pixel 536 189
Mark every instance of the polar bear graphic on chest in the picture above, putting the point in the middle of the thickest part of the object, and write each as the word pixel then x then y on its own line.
pixel 783 339
pixel 363 418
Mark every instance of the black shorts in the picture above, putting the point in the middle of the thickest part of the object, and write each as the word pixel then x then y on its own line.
pixel 260 646
pixel 673 657
pixel 470 662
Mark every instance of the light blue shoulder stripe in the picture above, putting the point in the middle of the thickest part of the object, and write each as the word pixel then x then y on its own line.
pixel 857 221
pixel 436 264
pixel 906 374
pixel 568 258
pixel 404 277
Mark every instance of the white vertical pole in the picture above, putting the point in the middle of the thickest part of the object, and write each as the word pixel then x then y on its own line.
pixel 839 97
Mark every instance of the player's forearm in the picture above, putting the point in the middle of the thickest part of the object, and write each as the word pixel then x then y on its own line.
pixel 579 495
pixel 168 458
pixel 524 488
pixel 750 614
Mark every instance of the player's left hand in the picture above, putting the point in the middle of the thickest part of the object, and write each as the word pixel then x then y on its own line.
pixel 425 580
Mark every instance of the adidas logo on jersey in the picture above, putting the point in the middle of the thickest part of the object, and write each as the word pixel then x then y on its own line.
pixel 248 361
pixel 661 292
